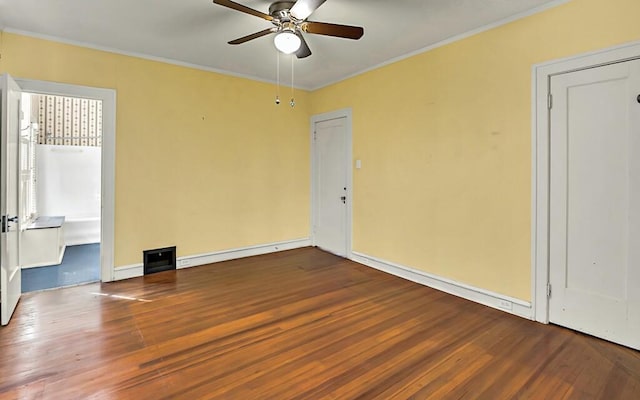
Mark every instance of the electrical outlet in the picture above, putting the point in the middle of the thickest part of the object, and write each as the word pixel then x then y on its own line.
pixel 184 263
pixel 505 304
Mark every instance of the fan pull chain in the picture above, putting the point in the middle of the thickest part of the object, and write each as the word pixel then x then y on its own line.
pixel 292 103
pixel 277 77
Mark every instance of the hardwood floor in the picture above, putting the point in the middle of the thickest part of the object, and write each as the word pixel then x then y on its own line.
pixel 300 324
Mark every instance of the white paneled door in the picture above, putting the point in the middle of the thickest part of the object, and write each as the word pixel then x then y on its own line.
pixel 10 272
pixel 330 157
pixel 594 250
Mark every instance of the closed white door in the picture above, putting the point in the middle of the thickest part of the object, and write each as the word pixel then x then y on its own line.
pixel 595 202
pixel 330 156
pixel 10 273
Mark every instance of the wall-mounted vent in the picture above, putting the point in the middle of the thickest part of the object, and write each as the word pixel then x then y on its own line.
pixel 159 260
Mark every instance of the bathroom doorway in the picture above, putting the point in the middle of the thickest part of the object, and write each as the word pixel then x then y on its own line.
pixel 60 184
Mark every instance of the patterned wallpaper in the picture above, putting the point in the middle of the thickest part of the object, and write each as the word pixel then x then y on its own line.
pixel 69 121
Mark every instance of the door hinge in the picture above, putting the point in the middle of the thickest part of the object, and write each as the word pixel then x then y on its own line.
pixel 550 101
pixel 548 289
pixel 315 135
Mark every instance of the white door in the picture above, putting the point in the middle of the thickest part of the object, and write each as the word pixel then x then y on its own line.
pixel 330 155
pixel 594 254
pixel 10 275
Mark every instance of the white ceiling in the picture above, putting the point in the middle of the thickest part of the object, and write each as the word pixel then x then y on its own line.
pixel 197 31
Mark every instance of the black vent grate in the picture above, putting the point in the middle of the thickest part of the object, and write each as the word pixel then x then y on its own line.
pixel 158 260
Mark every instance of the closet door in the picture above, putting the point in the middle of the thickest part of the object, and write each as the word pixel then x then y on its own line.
pixel 595 202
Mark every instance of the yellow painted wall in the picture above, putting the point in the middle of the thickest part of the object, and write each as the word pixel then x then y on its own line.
pixel 444 138
pixel 204 161
pixel 445 143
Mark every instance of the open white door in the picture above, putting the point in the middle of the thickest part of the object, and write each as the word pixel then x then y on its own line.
pixel 10 275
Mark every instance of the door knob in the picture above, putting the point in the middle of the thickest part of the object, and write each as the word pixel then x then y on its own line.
pixel 5 222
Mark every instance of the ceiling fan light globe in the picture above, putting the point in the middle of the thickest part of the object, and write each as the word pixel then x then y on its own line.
pixel 287 42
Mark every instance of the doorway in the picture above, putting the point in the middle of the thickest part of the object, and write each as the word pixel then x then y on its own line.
pixel 107 216
pixel 587 192
pixel 61 140
pixel 331 182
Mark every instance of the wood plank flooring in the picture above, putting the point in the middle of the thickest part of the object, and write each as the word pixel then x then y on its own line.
pixel 300 324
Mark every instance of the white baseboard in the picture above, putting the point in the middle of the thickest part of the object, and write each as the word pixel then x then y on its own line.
pixel 498 301
pixel 135 270
pixel 127 271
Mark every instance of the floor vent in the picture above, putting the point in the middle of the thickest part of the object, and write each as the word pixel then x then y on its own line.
pixel 159 260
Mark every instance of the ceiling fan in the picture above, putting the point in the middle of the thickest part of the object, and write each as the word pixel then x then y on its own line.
pixel 290 20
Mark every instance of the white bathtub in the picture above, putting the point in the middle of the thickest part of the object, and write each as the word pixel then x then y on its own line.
pixel 81 231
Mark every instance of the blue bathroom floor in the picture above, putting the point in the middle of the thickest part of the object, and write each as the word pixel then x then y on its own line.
pixel 80 264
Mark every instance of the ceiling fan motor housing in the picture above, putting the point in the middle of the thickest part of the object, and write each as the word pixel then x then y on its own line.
pixel 280 10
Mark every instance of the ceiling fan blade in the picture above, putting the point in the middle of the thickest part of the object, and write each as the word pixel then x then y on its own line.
pixel 253 36
pixel 303 51
pixel 343 31
pixel 244 9
pixel 303 8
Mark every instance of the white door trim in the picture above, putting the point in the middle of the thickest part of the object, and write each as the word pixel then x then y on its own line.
pixel 343 113
pixel 541 77
pixel 108 97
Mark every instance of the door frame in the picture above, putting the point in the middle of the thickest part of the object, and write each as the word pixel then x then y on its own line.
pixel 540 169
pixel 107 192
pixel 342 113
